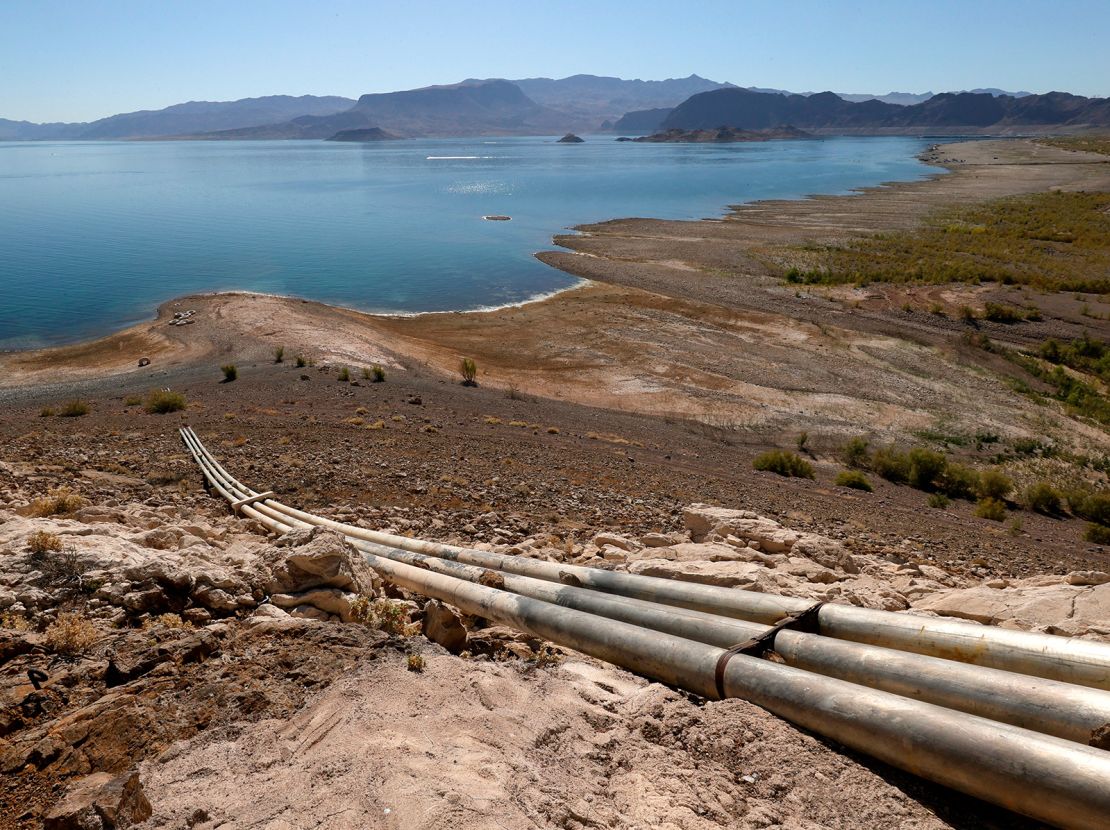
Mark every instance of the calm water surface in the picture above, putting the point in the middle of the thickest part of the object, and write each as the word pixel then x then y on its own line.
pixel 94 235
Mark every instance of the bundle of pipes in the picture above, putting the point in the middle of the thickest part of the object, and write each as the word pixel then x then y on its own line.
pixel 1001 715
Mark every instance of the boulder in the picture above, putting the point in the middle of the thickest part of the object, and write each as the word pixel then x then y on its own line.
pixel 328 600
pixel 824 551
pixel 701 519
pixel 1087 578
pixel 725 574
pixel 603 539
pixel 692 552
pixel 100 801
pixel 443 625
pixel 315 558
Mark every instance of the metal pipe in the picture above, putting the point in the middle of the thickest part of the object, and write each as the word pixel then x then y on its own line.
pixel 1069 660
pixel 1047 706
pixel 1040 776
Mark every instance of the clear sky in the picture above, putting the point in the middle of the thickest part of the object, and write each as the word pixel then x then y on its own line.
pixel 76 60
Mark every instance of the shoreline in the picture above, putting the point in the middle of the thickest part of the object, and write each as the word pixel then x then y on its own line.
pixel 679 318
pixel 152 316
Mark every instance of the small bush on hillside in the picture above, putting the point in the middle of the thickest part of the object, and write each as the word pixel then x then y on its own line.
pixel 42 542
pixel 469 371
pixel 784 464
pixel 1042 497
pixel 230 372
pixel 46 412
pixel 855 452
pixel 162 402
pixel 71 634
pixel 1097 534
pixel 301 362
pixel 1002 313
pixel 960 481
pixel 1094 507
pixel 377 374
pixel 132 400
pixel 801 441
pixel 74 409
pixel 415 663
pixel 854 479
pixel 890 464
pixel 279 354
pixel 925 468
pixel 991 509
pixel 57 502
pixel 994 484
pixel 344 375
pixel 938 501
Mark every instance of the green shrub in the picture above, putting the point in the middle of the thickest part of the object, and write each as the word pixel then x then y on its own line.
pixel 230 372
pixel 132 400
pixel 279 354
pixel 854 479
pixel 46 412
pixel 890 464
pixel 344 375
pixel 938 501
pixel 784 464
pixel 925 468
pixel 801 441
pixel 469 371
pixel 1042 497
pixel 377 374
pixel 301 362
pixel 74 409
pixel 960 481
pixel 1002 313
pixel 1098 534
pixel 161 401
pixel 993 484
pixel 855 452
pixel 991 509
pixel 1094 507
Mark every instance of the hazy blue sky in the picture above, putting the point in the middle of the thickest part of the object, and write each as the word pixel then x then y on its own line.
pixel 82 59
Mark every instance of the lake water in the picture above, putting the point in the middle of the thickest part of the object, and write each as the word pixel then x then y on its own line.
pixel 94 235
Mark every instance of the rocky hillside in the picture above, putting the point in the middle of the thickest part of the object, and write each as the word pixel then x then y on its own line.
pixel 164 661
pixel 986 112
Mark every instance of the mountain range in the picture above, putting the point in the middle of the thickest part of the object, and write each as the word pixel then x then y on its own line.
pixel 181 119
pixel 580 103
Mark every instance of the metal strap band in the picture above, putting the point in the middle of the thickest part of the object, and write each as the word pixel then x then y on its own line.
pixel 759 645
pixel 237 506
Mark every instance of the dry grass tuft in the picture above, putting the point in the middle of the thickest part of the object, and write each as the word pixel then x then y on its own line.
pixel 71 634
pixel 42 542
pixel 58 502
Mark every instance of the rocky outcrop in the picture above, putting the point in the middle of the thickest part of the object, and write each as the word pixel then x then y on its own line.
pixel 101 801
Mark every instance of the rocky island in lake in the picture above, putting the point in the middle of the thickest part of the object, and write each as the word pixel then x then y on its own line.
pixel 721 135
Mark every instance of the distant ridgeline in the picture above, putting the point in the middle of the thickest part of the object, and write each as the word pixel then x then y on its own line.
pixel 828 112
pixel 584 103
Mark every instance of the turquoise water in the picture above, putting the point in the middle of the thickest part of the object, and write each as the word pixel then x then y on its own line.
pixel 94 235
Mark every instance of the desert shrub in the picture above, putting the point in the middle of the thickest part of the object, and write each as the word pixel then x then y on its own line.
pixel 42 542
pixel 163 401
pixel 301 362
pixel 993 484
pixel 1094 507
pixel 938 501
pixel 387 615
pixel 279 354
pixel 801 441
pixel 784 464
pixel 890 464
pixel 46 412
pixel 15 622
pixel 967 314
pixel 1002 313
pixel 959 481
pixel 132 400
pixel 1042 497
pixel 925 468
pixel 168 621
pixel 344 375
pixel 74 409
pixel 415 662
pixel 1097 534
pixel 377 374
pixel 57 502
pixel 854 479
pixel 230 372
pixel 71 634
pixel 63 568
pixel 992 509
pixel 855 452
pixel 469 371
